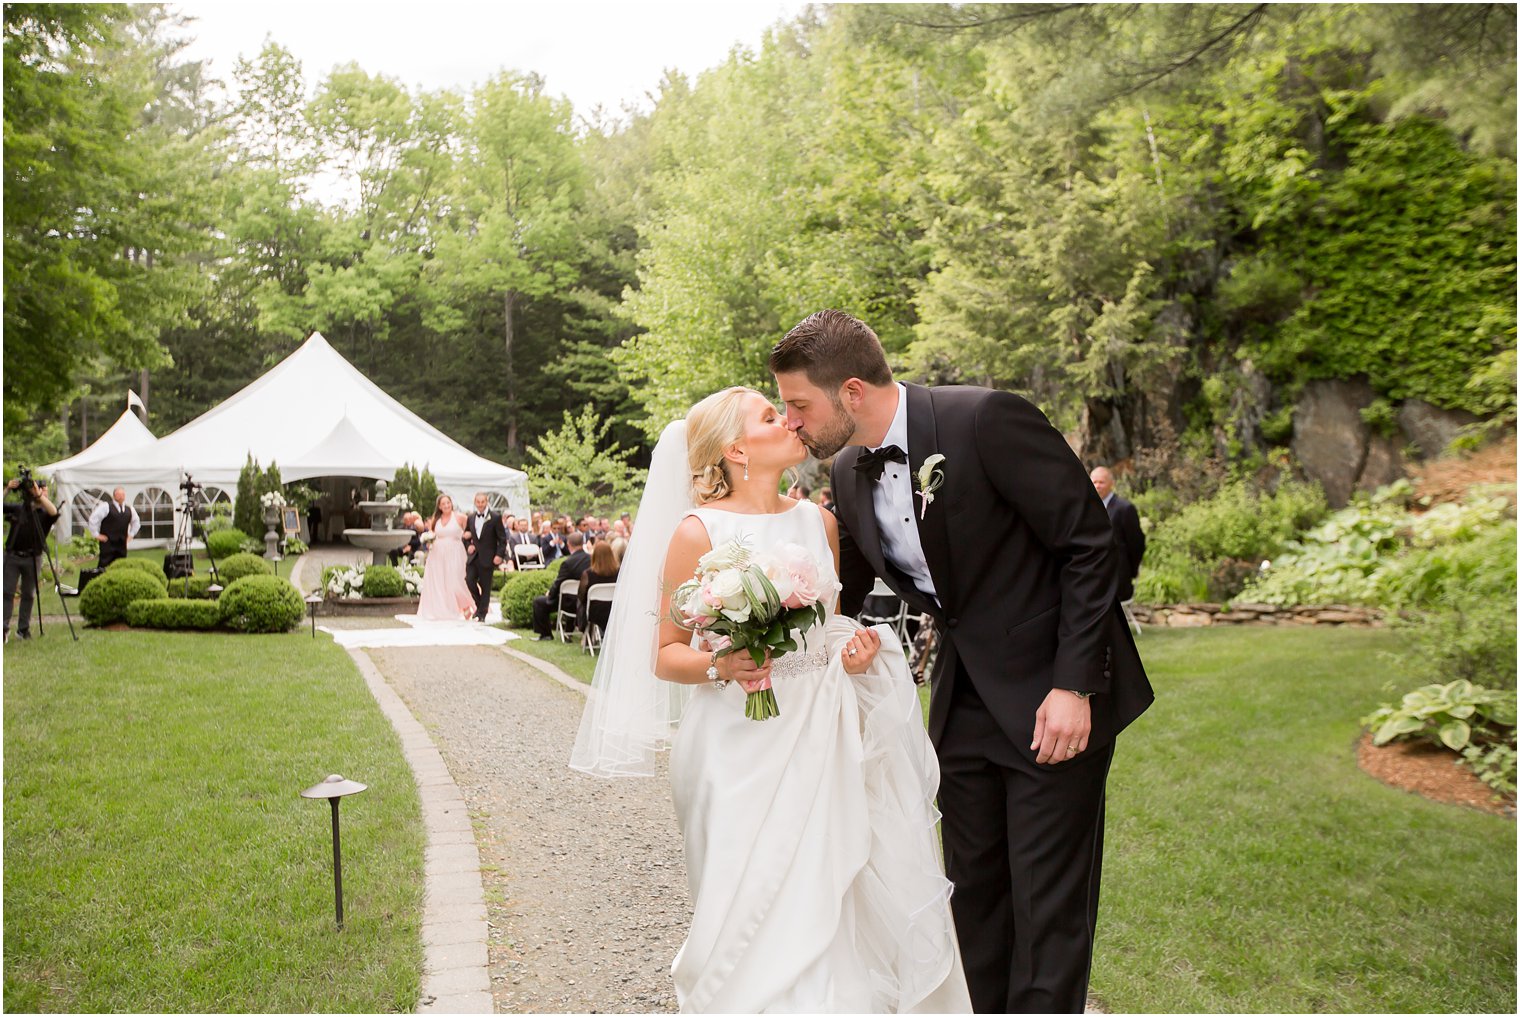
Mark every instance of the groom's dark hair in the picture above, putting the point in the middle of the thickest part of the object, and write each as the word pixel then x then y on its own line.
pixel 830 347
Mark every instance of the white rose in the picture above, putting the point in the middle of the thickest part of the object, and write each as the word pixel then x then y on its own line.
pixel 738 614
pixel 724 556
pixel 728 587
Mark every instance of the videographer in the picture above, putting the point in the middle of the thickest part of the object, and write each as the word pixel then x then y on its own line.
pixel 114 523
pixel 30 521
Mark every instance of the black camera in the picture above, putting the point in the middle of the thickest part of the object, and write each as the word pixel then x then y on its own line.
pixel 191 507
pixel 28 486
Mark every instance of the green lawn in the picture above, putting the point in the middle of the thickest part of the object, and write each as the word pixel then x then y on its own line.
pixel 157 854
pixel 1250 866
pixel 568 657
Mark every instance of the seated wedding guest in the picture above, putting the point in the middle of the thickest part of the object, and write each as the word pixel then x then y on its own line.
pixel 552 540
pixel 799 492
pixel 114 523
pixel 603 569
pixel 574 567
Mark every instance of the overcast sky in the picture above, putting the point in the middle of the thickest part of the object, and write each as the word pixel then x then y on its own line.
pixel 591 52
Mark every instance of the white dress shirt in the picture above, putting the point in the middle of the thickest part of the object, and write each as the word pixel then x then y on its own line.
pixel 1108 499
pixel 892 497
pixel 98 516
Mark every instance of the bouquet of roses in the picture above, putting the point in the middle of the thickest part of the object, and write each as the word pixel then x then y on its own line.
pixel 742 600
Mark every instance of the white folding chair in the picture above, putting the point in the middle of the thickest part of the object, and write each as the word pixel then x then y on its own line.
pixel 1129 615
pixel 564 619
pixel 528 556
pixel 600 593
pixel 898 619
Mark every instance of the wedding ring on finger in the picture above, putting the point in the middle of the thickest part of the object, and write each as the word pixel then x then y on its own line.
pixel 852 651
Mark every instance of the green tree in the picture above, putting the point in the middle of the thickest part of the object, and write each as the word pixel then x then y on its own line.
pixel 512 238
pixel 576 470
pixel 91 231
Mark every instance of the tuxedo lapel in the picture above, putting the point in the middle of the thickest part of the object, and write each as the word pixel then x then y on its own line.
pixel 923 442
pixel 867 535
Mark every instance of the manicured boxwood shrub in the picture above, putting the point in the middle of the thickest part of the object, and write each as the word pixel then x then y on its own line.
pixel 198 588
pixel 261 604
pixel 225 543
pixel 166 613
pixel 240 565
pixel 105 600
pixel 142 565
pixel 518 591
pixel 383 581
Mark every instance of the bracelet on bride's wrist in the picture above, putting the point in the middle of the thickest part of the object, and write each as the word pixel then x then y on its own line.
pixel 712 672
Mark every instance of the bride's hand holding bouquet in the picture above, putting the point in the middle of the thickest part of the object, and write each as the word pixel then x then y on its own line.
pixel 759 603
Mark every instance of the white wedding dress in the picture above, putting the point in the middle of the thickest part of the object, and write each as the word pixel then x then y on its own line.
pixel 811 851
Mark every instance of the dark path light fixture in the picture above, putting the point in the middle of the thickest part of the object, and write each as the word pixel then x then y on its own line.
pixel 312 603
pixel 334 789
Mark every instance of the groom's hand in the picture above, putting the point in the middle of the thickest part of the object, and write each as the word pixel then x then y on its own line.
pixel 1061 726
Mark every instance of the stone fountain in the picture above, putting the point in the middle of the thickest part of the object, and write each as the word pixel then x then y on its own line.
pixel 382 537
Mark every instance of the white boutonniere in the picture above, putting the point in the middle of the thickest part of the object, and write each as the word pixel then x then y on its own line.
pixel 930 479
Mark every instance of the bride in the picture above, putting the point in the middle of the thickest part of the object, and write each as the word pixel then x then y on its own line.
pixel 811 851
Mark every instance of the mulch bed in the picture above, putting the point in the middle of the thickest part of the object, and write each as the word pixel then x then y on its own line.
pixel 1433 772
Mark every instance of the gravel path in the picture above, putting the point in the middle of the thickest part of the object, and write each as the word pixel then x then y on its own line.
pixel 585 887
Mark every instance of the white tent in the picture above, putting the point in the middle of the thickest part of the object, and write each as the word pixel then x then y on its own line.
pixel 313 414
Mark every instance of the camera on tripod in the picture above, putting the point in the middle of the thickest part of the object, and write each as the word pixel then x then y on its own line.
pixel 28 486
pixel 196 510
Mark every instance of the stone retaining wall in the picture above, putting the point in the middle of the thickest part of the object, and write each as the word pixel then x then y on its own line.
pixel 1184 616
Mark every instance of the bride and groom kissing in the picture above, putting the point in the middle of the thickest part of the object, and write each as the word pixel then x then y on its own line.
pixel 809 838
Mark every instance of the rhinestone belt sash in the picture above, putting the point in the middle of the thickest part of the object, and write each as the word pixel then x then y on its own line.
pixel 791 664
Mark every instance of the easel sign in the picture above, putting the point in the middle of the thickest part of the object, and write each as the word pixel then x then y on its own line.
pixel 292 519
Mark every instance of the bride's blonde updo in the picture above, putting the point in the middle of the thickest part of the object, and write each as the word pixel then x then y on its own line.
pixel 711 426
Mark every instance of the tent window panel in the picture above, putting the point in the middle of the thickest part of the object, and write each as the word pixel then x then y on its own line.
pixel 496 502
pixel 82 504
pixel 155 509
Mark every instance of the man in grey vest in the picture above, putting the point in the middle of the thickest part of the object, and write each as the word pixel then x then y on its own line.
pixel 114 523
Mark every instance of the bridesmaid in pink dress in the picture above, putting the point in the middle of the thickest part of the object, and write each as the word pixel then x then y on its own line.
pixel 445 595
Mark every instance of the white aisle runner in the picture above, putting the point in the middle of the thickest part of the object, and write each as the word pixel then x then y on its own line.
pixel 427 633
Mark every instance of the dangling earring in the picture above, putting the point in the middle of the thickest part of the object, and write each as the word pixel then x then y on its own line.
pixel 746 470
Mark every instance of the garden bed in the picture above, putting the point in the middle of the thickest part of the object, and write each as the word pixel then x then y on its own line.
pixel 369 605
pixel 1430 771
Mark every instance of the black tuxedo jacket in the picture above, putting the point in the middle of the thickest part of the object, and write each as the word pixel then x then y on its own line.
pixel 1030 603
pixel 573 567
pixel 491 543
pixel 1129 543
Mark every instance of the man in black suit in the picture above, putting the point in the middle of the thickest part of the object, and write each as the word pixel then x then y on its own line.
pixel 1036 672
pixel 573 567
pixel 484 545
pixel 1129 539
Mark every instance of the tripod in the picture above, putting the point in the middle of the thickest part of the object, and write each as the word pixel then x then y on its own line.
pixel 192 529
pixel 29 506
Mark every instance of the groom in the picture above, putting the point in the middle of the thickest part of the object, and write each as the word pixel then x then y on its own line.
pixel 485 542
pixel 1036 671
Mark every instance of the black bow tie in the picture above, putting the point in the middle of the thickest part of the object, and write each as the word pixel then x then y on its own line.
pixel 872 463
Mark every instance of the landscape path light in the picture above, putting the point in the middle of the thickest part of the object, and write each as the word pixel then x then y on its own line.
pixel 313 602
pixel 334 789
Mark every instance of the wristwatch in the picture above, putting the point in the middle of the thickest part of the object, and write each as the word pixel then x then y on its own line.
pixel 1079 695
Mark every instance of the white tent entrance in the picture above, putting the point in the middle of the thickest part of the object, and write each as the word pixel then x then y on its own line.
pixel 313 414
